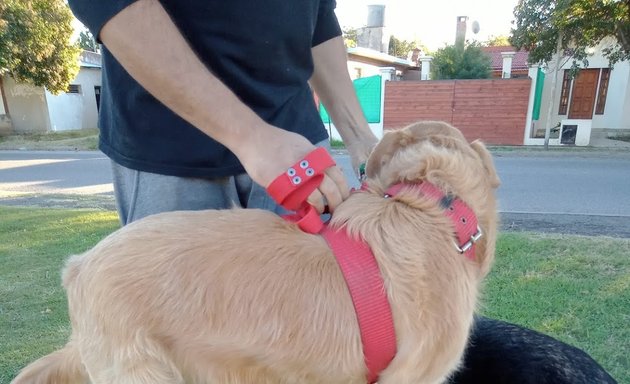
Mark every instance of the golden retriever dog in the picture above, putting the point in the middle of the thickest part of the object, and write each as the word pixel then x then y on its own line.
pixel 243 296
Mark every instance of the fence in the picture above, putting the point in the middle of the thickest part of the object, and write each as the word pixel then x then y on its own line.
pixel 493 110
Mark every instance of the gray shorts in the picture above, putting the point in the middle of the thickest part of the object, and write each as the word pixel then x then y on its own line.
pixel 139 194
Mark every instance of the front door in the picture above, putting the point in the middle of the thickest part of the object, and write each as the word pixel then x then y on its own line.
pixel 583 98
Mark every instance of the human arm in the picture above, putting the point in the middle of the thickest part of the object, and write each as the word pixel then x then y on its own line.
pixel 333 85
pixel 147 43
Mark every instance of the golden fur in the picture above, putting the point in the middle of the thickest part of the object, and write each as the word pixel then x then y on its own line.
pixel 242 296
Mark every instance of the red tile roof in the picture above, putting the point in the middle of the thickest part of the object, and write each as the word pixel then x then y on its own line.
pixel 518 62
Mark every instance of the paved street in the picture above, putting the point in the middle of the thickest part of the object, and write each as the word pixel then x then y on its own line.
pixel 572 193
pixel 48 172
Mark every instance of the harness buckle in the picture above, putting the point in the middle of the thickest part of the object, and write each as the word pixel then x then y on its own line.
pixel 467 245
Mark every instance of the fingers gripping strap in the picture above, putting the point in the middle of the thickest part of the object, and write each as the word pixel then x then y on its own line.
pixel 292 188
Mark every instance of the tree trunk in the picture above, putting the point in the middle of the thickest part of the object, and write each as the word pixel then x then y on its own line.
pixel 4 97
pixel 554 80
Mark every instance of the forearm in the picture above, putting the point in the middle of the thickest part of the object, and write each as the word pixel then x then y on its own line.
pixel 334 87
pixel 147 43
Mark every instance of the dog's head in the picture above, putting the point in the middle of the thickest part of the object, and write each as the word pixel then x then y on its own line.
pixel 438 153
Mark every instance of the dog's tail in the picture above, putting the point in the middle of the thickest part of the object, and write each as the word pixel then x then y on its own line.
pixel 60 367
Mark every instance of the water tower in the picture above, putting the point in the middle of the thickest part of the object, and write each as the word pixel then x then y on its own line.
pixel 374 35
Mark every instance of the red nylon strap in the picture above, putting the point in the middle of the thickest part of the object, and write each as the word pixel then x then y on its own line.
pixel 463 218
pixel 369 297
pixel 292 188
pixel 295 185
pixel 307 218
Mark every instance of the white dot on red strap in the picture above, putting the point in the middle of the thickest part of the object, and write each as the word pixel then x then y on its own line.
pixel 303 164
pixel 291 172
pixel 297 180
pixel 310 172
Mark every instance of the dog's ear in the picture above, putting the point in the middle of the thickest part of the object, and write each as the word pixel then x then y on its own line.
pixel 488 163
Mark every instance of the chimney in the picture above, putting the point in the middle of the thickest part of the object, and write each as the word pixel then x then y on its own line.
pixel 460 33
pixel 374 35
pixel 414 56
pixel 425 73
pixel 376 16
pixel 507 64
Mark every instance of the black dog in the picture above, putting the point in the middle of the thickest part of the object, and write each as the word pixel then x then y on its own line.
pixel 499 352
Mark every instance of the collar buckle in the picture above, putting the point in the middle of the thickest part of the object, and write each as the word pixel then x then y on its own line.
pixel 467 245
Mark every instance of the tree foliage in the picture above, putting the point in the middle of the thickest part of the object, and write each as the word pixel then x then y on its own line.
pixel 453 63
pixel 87 42
pixel 350 37
pixel 35 43
pixel 400 48
pixel 580 24
pixel 497 41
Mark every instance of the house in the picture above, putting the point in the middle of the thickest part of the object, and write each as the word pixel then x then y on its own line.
pixel 516 62
pixel 28 108
pixel 365 62
pixel 595 103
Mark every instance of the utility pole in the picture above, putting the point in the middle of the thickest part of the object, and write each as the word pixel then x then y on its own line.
pixel 554 80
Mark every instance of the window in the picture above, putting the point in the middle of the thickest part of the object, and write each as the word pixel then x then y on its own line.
pixel 603 91
pixel 564 95
pixel 74 88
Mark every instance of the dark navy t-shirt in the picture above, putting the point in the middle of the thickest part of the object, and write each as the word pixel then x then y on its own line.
pixel 260 49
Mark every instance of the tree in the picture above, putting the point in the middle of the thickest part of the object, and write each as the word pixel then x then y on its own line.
pixel 350 37
pixel 498 41
pixel 400 48
pixel 87 41
pixel 453 63
pixel 543 26
pixel 35 43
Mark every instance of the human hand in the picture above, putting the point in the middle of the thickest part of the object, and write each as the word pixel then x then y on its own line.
pixel 359 151
pixel 274 150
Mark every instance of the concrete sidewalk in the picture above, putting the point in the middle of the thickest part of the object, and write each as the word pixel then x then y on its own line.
pixel 601 140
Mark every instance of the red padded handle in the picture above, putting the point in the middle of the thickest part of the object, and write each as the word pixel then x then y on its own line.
pixel 292 188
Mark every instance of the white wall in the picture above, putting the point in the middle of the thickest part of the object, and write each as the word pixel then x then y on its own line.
pixel 75 110
pixel 27 106
pixel 617 101
pixel 366 70
pixel 65 111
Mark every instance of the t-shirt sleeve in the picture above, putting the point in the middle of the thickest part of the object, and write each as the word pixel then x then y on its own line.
pixel 327 25
pixel 95 13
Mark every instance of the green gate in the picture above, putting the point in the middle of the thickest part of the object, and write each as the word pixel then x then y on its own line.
pixel 368 91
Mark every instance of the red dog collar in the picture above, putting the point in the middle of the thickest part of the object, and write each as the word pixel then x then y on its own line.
pixel 464 220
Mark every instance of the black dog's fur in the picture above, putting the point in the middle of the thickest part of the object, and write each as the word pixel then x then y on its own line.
pixel 500 352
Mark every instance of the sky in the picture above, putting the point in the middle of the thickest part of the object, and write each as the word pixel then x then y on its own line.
pixel 432 22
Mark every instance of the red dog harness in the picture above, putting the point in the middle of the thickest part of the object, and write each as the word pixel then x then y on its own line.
pixel 355 259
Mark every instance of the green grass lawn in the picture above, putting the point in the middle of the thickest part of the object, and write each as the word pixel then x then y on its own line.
pixel 574 288
pixel 81 140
